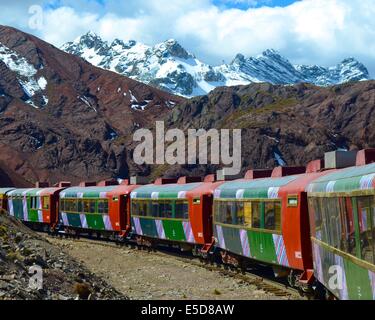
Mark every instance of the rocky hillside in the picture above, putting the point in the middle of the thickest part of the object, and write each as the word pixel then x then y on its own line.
pixel 63 277
pixel 171 67
pixel 62 118
pixel 283 124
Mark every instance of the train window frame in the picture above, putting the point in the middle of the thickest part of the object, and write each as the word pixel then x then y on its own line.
pixel 294 204
pixel 196 201
pixel 46 202
pixel 368 220
pixel 223 209
pixel 185 206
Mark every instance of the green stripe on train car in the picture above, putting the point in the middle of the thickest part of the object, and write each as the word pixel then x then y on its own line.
pixel 95 221
pixel 174 230
pixel 33 215
pixel 358 281
pixel 262 246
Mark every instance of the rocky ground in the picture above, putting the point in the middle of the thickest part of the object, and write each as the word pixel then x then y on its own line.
pixel 156 275
pixel 63 277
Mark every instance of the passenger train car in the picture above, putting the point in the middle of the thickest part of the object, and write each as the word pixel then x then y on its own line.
pixel 179 213
pixel 104 210
pixel 37 207
pixel 266 220
pixel 342 220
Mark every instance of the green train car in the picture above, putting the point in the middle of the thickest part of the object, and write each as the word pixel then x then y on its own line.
pixel 342 220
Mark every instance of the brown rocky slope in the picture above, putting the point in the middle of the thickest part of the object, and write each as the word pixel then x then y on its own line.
pixel 299 123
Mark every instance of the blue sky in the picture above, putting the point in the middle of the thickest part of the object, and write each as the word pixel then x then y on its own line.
pixel 306 31
pixel 246 4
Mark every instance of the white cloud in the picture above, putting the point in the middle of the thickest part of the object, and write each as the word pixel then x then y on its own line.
pixel 309 31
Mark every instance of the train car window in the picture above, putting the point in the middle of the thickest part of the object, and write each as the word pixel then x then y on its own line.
pixel 256 215
pixel 73 207
pixel 247 214
pixel 324 224
pixel 134 206
pixel 240 213
pixel 181 209
pixel 292 201
pixel 269 216
pixel 101 207
pixel 33 203
pixel 143 208
pixel 67 205
pixel 344 225
pixel 62 205
pixel 86 206
pixel 228 219
pixel 334 221
pixel 272 216
pixel 166 209
pixel 365 212
pixel 155 209
pixel 218 210
pixel 197 201
pixel 46 202
pixel 79 206
pixel 351 238
pixel 92 206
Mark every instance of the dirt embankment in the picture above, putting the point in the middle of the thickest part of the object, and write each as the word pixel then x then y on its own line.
pixel 31 268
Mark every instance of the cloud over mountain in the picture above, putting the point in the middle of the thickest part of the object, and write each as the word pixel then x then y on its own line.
pixel 307 32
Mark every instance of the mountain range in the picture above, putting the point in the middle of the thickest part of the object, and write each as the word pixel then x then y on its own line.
pixel 63 119
pixel 170 67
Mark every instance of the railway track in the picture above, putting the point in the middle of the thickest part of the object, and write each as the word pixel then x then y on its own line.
pixel 259 280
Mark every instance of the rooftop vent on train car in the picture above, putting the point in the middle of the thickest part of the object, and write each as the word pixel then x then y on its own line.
pixel 41 185
pixel 185 180
pixel 279 172
pixel 258 174
pixel 63 184
pixel 340 159
pixel 87 184
pixel 138 180
pixel 107 183
pixel 161 181
pixel 365 156
pixel 315 166
pixel 210 178
pixel 222 175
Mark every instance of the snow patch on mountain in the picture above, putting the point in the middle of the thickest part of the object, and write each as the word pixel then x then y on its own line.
pixel 26 73
pixel 170 67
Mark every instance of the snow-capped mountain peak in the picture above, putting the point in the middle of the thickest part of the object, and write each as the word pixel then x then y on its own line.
pixel 169 66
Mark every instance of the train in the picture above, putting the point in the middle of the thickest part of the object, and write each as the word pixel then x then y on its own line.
pixel 313 225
